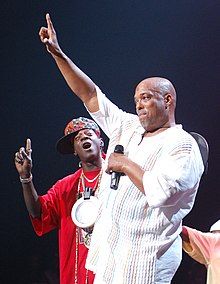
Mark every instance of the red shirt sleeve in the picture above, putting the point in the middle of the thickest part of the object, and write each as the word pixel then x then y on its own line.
pixel 54 204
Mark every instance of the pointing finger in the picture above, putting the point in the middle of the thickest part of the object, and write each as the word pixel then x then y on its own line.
pixel 28 147
pixel 49 23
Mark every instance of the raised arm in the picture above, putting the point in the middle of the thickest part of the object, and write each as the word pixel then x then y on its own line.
pixel 23 164
pixel 78 81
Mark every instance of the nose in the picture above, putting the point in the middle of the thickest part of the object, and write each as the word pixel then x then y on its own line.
pixel 83 136
pixel 139 104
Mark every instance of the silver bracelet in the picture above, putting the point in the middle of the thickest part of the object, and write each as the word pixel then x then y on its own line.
pixel 26 180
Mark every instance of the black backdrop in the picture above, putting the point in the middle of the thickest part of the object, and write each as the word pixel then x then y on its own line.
pixel 118 43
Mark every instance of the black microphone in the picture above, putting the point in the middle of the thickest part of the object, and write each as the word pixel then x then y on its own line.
pixel 115 177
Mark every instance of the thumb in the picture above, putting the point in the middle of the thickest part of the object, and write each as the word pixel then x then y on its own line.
pixel 46 40
pixel 48 44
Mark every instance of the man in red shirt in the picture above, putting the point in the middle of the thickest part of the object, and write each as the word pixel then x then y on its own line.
pixel 55 209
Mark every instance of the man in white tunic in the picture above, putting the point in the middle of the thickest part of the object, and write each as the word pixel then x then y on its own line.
pixel 136 237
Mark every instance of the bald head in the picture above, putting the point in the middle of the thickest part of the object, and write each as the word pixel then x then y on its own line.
pixel 163 85
pixel 155 100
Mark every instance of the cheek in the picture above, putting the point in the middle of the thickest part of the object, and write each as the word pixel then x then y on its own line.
pixel 151 104
pixel 97 146
pixel 76 147
pixel 155 112
pixel 159 107
pixel 150 108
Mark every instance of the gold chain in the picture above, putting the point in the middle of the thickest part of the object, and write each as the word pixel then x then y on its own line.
pixel 90 180
pixel 82 182
pixel 96 189
pixel 76 255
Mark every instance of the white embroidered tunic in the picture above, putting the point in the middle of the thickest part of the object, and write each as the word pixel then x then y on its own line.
pixel 136 237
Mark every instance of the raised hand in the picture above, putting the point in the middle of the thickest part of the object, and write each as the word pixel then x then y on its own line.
pixel 49 38
pixel 23 161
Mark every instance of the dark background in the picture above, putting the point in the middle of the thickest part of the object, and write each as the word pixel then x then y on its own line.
pixel 118 43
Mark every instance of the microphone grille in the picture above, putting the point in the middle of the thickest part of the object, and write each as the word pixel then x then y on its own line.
pixel 119 149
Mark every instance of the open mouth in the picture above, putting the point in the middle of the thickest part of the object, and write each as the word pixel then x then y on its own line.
pixel 86 145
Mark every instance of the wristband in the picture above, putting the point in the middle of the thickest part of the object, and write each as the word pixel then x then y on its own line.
pixel 26 180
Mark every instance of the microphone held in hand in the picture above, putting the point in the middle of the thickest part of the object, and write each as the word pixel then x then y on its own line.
pixel 115 177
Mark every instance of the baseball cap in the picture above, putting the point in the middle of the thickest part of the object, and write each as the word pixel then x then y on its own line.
pixel 64 145
pixel 215 226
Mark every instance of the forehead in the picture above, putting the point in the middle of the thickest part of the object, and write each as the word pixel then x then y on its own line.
pixel 85 130
pixel 146 86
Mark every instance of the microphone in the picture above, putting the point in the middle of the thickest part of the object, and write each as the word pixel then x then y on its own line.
pixel 115 177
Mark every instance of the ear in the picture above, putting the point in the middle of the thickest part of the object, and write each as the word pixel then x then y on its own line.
pixel 74 153
pixel 101 143
pixel 167 100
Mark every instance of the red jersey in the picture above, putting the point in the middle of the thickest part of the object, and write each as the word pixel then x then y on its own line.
pixel 57 204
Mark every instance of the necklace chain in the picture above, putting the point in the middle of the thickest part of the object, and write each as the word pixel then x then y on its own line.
pixel 82 182
pixel 96 189
pixel 90 180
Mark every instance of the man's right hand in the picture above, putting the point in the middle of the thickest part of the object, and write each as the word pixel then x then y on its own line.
pixel 49 38
pixel 23 161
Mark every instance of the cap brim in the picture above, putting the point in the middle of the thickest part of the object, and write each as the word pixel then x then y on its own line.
pixel 64 145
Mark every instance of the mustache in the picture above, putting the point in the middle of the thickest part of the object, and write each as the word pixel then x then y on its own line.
pixel 141 112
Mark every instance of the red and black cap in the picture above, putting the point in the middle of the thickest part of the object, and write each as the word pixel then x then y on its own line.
pixel 64 144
